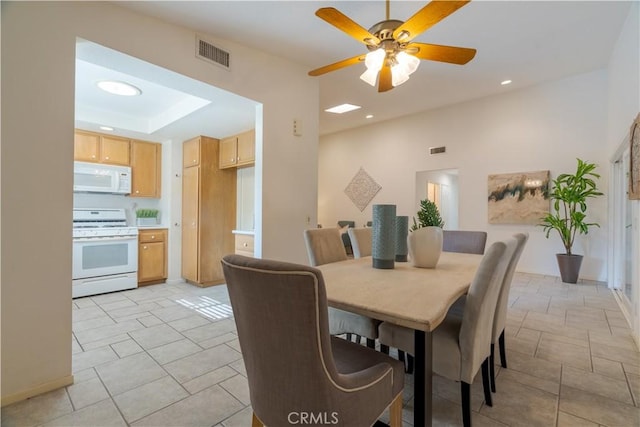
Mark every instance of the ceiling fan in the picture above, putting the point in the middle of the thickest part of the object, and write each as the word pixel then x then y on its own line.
pixel 392 53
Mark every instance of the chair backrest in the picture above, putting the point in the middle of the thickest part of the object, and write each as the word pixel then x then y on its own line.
pixel 500 318
pixel 351 224
pixel 280 310
pixel 324 245
pixel 470 242
pixel 361 239
pixel 480 307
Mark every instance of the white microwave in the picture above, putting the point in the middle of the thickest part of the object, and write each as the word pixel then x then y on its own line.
pixel 100 178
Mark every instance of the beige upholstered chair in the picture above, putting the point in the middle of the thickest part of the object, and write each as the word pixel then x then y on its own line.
pixel 361 241
pixel 500 317
pixel 462 345
pixel 470 242
pixel 324 246
pixel 295 368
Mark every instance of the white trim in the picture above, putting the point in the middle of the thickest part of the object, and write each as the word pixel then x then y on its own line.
pixel 39 389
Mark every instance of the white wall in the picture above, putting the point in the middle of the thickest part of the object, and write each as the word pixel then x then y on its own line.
pixel 38 58
pixel 537 128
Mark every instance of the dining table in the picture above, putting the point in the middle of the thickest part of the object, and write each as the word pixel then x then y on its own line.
pixel 416 298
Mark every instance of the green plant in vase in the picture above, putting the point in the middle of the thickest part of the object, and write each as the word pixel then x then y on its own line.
pixel 568 216
pixel 425 239
pixel 147 216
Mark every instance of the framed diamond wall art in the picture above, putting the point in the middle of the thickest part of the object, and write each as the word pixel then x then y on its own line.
pixel 362 189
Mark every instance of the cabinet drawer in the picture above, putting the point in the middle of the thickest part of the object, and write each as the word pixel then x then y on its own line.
pixel 149 236
pixel 244 243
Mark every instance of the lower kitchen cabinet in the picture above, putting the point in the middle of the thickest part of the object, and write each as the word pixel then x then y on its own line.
pixel 152 256
pixel 244 244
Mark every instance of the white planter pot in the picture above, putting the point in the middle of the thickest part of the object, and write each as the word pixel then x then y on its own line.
pixel 425 246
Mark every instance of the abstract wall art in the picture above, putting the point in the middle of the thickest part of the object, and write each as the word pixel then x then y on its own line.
pixel 518 198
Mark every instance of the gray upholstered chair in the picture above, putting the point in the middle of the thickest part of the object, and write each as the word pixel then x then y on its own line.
pixel 462 345
pixel 470 242
pixel 323 247
pixel 345 237
pixel 360 241
pixel 500 316
pixel 294 367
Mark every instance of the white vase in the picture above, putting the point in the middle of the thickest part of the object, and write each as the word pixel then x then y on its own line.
pixel 425 246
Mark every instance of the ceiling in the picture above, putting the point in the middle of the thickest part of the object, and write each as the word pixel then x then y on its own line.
pixel 528 42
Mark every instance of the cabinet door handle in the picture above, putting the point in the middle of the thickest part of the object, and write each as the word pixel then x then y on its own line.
pixel 106 157
pixel 93 156
pixel 194 160
pixel 153 237
pixel 145 247
pixel 137 192
pixel 245 245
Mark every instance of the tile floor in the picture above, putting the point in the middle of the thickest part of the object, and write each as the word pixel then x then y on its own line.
pixel 168 355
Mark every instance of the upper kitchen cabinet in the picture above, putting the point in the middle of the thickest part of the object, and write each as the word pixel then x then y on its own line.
pixel 238 150
pixel 97 148
pixel 146 167
pixel 191 153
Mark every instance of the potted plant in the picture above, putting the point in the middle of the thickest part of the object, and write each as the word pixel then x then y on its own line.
pixel 425 239
pixel 569 201
pixel 147 217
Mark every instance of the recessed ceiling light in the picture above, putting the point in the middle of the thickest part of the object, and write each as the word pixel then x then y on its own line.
pixel 505 82
pixel 344 108
pixel 119 88
pixel 368 116
pixel 106 128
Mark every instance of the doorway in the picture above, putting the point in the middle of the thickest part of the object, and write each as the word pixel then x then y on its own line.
pixel 441 187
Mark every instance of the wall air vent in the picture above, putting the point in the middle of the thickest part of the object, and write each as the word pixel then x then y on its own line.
pixel 437 150
pixel 210 53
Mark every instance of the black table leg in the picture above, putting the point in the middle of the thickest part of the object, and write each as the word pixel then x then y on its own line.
pixel 423 382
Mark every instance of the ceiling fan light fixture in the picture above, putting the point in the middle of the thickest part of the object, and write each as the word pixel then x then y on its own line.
pixel 410 62
pixel 370 76
pixel 399 75
pixel 374 59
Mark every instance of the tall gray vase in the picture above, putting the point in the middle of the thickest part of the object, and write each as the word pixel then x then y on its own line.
pixel 383 250
pixel 402 230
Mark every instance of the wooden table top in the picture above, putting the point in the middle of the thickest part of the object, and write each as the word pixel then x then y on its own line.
pixel 417 298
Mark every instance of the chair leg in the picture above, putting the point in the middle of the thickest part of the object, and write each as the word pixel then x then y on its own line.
pixel 384 348
pixel 255 421
pixel 371 343
pixel 349 337
pixel 358 339
pixel 485 382
pixel 409 364
pixel 465 391
pixel 395 412
pixel 503 350
pixel 492 368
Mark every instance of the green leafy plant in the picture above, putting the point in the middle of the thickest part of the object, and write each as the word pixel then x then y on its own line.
pixel 147 213
pixel 569 195
pixel 428 216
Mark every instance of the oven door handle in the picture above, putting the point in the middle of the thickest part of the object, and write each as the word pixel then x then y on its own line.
pixel 104 239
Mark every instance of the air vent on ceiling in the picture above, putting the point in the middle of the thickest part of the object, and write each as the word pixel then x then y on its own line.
pixel 211 53
pixel 437 150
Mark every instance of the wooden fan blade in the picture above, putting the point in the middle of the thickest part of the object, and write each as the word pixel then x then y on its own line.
pixel 384 79
pixel 344 23
pixel 426 18
pixel 337 65
pixel 435 52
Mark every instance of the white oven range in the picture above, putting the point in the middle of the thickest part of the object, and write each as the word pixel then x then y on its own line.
pixel 105 252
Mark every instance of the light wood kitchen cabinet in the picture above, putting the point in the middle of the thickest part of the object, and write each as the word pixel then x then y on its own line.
pixel 99 148
pixel 244 244
pixel 146 169
pixel 191 153
pixel 208 212
pixel 152 256
pixel 238 150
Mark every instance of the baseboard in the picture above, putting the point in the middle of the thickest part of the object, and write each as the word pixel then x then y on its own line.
pixel 34 391
pixel 627 315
